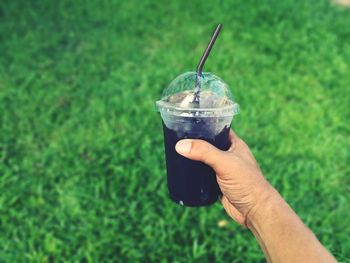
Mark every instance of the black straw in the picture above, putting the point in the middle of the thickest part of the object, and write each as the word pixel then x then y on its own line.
pixel 208 49
pixel 203 60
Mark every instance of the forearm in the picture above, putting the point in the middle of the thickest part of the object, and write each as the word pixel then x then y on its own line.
pixel 283 236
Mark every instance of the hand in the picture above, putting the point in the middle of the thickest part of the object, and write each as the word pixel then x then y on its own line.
pixel 251 201
pixel 238 174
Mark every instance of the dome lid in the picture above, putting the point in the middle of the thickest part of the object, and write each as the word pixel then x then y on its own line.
pixel 214 97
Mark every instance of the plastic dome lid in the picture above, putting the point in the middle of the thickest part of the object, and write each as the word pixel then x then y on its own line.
pixel 215 98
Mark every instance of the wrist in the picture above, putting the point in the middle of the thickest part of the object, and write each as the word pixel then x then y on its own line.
pixel 264 210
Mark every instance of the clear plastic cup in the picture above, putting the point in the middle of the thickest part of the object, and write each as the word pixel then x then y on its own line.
pixel 193 183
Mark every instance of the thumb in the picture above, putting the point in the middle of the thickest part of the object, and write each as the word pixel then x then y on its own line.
pixel 203 151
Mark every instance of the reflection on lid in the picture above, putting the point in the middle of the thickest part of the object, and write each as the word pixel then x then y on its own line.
pixel 208 99
pixel 214 92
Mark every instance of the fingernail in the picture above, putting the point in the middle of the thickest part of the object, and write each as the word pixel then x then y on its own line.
pixel 183 146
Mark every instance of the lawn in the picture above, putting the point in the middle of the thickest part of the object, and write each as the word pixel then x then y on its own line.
pixel 82 171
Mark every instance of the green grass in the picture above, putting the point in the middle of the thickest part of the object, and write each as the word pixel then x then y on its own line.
pixel 82 173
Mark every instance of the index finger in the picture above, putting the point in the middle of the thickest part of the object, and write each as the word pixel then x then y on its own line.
pixel 237 143
pixel 232 138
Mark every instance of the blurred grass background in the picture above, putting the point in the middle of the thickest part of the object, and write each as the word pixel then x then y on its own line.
pixel 82 173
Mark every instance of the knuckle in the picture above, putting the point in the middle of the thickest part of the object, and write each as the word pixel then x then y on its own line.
pixel 201 149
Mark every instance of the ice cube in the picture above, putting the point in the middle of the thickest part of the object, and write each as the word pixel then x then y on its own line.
pixel 211 100
pixel 177 98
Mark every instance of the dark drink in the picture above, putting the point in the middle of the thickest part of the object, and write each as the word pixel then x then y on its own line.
pixel 191 113
pixel 192 183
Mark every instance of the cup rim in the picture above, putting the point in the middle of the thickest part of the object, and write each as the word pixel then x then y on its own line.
pixel 229 110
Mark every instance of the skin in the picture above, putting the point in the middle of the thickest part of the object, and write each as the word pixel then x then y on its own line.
pixel 251 201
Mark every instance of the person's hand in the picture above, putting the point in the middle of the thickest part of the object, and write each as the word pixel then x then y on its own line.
pixel 251 201
pixel 238 174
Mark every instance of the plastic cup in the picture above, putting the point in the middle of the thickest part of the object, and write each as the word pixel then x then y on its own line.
pixel 193 183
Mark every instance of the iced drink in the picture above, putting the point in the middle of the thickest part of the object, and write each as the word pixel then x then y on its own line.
pixel 193 183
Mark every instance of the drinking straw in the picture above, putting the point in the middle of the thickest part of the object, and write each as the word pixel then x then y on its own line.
pixel 203 60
